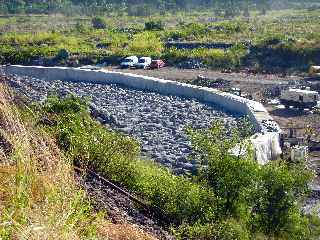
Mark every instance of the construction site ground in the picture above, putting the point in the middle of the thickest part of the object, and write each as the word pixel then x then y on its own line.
pixel 253 84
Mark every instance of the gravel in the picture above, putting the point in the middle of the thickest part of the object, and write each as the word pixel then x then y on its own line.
pixel 157 121
pixel 121 209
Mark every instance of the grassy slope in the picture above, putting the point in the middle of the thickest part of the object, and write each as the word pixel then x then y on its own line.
pixel 39 197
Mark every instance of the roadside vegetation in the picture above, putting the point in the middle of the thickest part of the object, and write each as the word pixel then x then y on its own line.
pixel 230 197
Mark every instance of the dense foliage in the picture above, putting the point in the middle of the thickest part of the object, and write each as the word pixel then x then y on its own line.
pixel 232 197
pixel 140 8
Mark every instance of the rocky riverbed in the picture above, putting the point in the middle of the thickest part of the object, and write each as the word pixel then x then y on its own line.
pixel 157 121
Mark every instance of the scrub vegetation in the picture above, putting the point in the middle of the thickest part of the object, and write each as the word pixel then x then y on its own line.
pixel 274 40
pixel 230 197
pixel 39 195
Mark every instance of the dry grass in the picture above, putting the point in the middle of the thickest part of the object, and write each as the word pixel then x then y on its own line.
pixel 39 197
pixel 123 232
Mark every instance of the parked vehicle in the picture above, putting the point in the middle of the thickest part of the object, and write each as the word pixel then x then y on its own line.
pixel 299 98
pixel 129 62
pixel 144 62
pixel 157 64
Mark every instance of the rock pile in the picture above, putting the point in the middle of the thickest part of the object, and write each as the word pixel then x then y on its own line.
pixel 157 121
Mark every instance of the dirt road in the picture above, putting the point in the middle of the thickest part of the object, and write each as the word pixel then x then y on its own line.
pixel 177 74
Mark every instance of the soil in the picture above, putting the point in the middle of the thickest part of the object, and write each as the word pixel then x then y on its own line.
pixel 121 210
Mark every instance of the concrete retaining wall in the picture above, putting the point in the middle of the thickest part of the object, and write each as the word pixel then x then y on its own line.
pixel 232 103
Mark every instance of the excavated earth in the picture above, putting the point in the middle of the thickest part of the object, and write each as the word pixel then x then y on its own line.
pixel 157 121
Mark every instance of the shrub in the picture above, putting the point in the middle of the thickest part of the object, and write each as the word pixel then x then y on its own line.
pixel 62 54
pixel 98 23
pixel 154 25
pixel 232 229
pixel 147 44
pixel 115 156
pixel 264 197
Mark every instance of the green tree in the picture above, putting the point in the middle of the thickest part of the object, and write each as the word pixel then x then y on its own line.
pixel 264 198
pixel 232 178
pixel 276 208
pixel 98 23
pixel 15 6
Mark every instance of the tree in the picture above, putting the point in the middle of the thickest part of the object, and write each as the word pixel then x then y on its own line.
pixel 15 6
pixel 263 6
pixel 98 23
pixel 279 190
pixel 230 177
pixel 153 25
pixel 265 198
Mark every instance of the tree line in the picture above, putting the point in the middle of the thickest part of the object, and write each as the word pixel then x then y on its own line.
pixel 134 7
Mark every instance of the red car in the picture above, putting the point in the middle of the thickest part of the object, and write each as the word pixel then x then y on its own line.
pixel 157 64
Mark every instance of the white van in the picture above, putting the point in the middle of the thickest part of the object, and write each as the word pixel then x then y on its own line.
pixel 129 62
pixel 144 62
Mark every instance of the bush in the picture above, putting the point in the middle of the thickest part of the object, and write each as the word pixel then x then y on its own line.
pixel 232 229
pixel 98 23
pixel 263 197
pixel 62 54
pixel 115 156
pixel 153 25
pixel 146 44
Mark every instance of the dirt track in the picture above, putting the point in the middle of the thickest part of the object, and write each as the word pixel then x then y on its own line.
pixel 171 73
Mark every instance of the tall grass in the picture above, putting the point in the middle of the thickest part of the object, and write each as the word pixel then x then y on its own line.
pixel 39 197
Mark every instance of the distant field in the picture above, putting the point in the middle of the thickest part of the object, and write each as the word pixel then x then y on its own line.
pixel 288 39
pixel 303 24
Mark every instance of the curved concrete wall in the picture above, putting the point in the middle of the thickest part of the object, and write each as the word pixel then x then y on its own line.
pixel 266 143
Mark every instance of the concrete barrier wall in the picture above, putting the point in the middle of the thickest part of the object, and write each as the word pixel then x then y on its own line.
pixel 232 103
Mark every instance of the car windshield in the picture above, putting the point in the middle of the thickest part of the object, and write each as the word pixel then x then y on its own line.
pixel 128 60
pixel 142 60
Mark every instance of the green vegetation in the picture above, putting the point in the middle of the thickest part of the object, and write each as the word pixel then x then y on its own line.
pixel 116 156
pixel 227 8
pixel 277 41
pixel 231 198
pixel 39 197
pixel 98 23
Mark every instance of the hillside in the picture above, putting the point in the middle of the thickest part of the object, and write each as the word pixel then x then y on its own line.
pixel 40 198
pixel 144 8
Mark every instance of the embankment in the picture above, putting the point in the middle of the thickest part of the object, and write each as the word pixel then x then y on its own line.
pixel 265 141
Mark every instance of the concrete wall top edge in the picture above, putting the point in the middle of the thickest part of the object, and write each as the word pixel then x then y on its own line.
pixel 255 106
